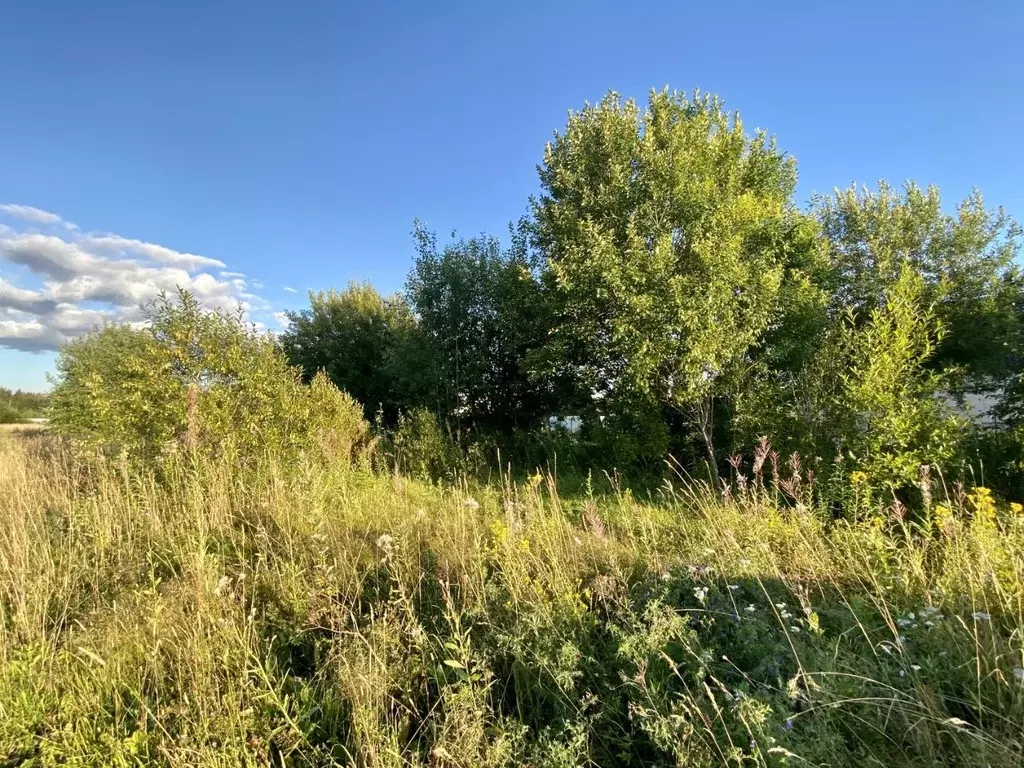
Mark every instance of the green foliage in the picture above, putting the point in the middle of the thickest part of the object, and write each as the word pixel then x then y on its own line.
pixel 332 419
pixel 966 263
pixel 419 447
pixel 116 387
pixel 890 417
pixel 666 235
pixel 914 308
pixel 363 342
pixel 480 309
pixel 867 400
pixel 668 295
pixel 197 381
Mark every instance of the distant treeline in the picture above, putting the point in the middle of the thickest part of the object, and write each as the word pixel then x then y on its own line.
pixel 16 406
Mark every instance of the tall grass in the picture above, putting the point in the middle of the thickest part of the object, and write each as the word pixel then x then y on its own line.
pixel 207 615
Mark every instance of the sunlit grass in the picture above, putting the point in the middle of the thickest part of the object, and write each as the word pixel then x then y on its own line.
pixel 325 616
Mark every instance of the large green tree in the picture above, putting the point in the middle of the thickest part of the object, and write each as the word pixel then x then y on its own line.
pixel 480 309
pixel 669 235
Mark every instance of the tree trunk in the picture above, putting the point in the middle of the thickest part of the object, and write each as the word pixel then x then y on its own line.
pixel 702 415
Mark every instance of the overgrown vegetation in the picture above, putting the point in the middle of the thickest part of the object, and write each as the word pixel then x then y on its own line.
pixel 680 476
pixel 312 615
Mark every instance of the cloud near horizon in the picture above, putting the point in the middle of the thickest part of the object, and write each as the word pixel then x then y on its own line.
pixel 57 283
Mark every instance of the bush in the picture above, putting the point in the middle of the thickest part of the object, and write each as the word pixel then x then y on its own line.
pixel 8 415
pixel 197 381
pixel 334 420
pixel 419 447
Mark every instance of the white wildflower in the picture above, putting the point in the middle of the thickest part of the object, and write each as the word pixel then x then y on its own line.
pixel 980 616
pixel 750 609
pixel 700 593
pixel 223 585
pixel 733 587
pixel 780 606
pixel 916 667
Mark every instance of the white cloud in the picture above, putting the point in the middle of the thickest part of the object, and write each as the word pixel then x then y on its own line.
pixel 28 213
pixel 125 246
pixel 29 336
pixel 85 280
pixel 21 300
pixel 281 318
pixel 38 215
pixel 289 289
pixel 46 255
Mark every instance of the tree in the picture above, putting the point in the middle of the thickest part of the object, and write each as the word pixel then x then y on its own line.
pixel 965 261
pixel 196 381
pixel 367 344
pixel 893 418
pixel 481 311
pixel 667 236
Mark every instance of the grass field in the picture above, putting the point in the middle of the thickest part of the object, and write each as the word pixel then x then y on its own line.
pixel 324 616
pixel 22 429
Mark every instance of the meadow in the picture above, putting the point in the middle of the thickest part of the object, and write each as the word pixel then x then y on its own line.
pixel 322 614
pixel 525 512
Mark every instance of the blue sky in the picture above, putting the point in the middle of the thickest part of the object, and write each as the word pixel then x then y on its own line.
pixel 296 142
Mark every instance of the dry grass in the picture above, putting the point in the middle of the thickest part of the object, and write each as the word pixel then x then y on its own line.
pixel 205 616
pixel 23 429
